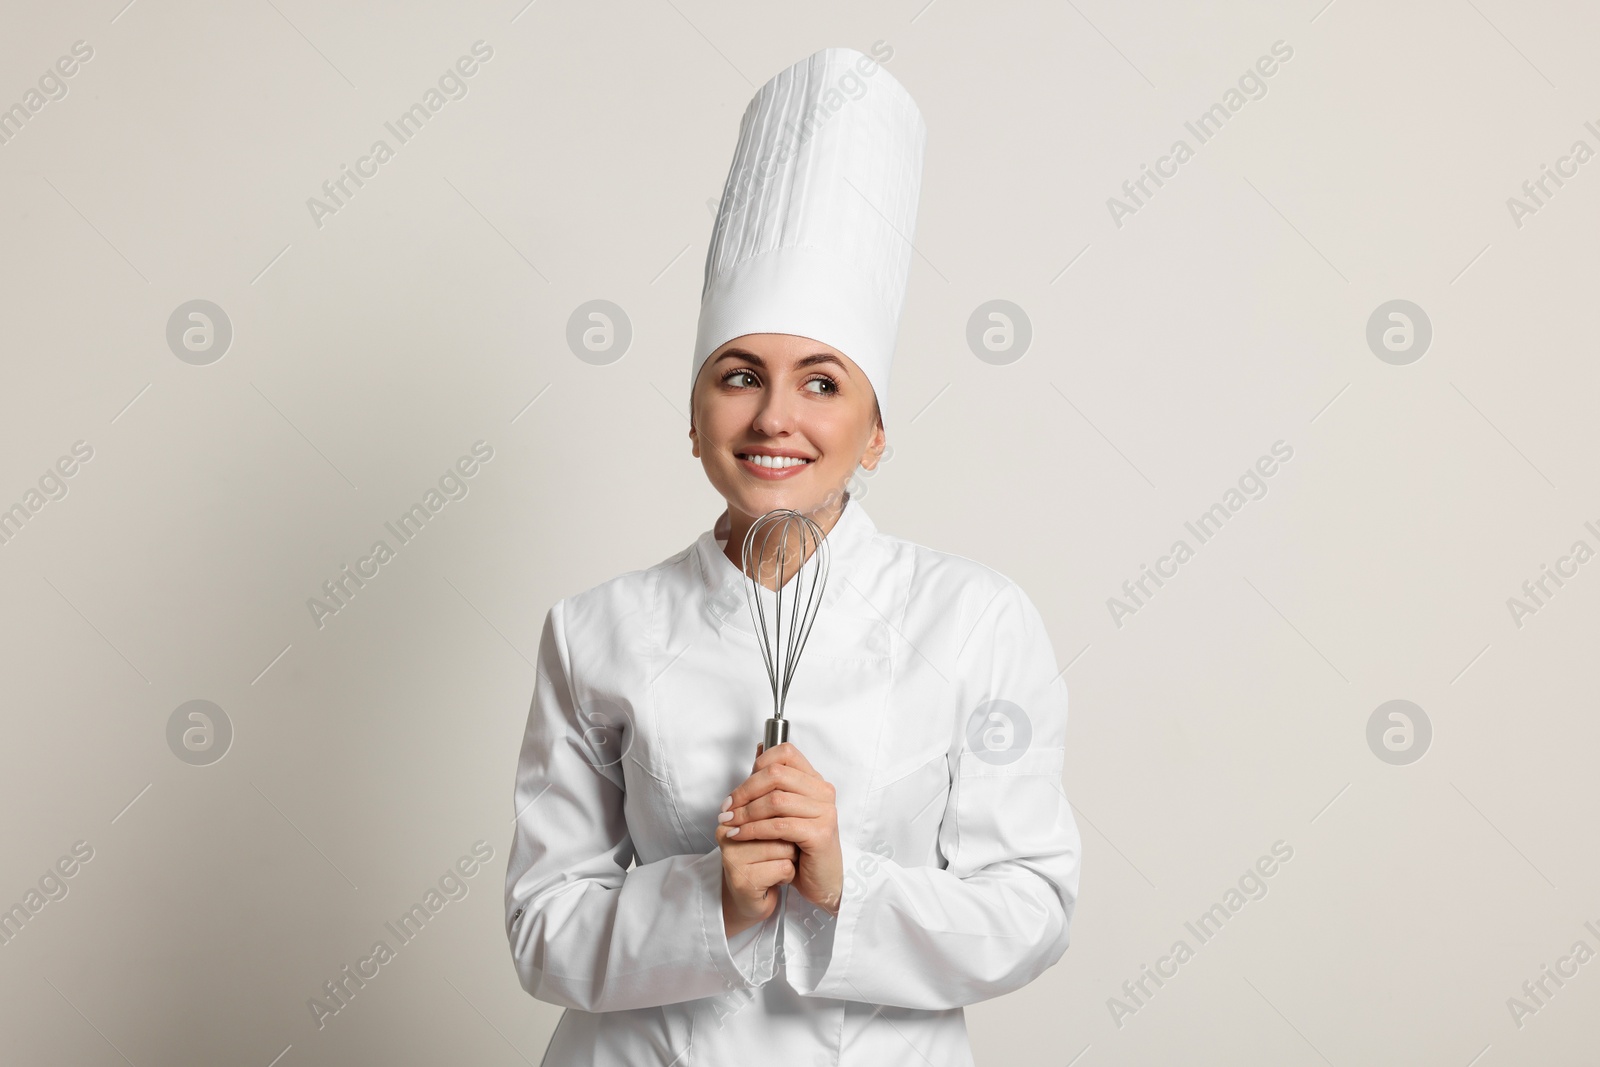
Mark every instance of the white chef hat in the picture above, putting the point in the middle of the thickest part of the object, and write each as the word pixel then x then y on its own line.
pixel 813 236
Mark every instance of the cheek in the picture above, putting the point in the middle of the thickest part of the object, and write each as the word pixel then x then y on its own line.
pixel 720 418
pixel 706 427
pixel 841 440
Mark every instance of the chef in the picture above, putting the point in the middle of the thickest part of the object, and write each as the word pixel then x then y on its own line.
pixel 689 898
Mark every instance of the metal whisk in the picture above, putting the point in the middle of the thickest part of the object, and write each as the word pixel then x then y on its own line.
pixel 784 536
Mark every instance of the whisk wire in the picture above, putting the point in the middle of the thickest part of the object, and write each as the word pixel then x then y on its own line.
pixel 782 645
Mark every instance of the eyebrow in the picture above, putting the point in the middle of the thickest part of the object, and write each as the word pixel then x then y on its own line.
pixel 803 361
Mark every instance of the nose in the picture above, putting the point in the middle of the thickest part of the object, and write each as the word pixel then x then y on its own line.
pixel 776 415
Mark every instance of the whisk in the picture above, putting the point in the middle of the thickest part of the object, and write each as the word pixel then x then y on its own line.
pixel 785 535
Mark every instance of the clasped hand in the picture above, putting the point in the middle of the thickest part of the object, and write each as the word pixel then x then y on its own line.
pixel 779 827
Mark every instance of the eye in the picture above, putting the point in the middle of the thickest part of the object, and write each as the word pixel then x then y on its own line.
pixel 832 386
pixel 726 378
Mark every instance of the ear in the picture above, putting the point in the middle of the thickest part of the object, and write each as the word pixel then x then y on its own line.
pixel 694 393
pixel 875 446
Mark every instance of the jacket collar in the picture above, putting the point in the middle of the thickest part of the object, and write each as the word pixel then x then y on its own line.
pixel 725 585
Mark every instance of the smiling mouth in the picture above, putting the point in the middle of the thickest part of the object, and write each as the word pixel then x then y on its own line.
pixel 773 462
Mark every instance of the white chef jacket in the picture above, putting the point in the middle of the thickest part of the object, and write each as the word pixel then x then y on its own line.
pixel 960 850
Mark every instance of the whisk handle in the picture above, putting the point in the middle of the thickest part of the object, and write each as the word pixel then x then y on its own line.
pixel 776 734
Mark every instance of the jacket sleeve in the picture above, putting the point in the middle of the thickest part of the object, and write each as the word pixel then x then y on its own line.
pixel 586 931
pixel 998 913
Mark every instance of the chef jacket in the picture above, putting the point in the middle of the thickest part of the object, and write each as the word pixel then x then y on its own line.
pixel 927 694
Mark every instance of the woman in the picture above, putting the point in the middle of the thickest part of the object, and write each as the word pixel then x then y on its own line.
pixel 910 850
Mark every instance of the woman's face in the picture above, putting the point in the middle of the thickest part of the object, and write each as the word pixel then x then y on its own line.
pixel 781 421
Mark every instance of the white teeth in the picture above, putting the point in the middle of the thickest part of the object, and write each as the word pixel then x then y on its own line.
pixel 776 461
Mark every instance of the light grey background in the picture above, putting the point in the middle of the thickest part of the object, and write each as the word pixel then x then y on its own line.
pixel 1167 354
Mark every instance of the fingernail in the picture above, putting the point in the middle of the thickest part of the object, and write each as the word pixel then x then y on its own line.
pixel 733 832
pixel 727 802
pixel 726 816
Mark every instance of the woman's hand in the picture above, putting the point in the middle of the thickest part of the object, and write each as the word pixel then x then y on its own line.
pixel 751 874
pixel 786 800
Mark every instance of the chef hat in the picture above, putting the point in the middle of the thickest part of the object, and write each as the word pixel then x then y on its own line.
pixel 813 236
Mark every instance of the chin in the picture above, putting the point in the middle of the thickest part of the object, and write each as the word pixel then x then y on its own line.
pixel 808 501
